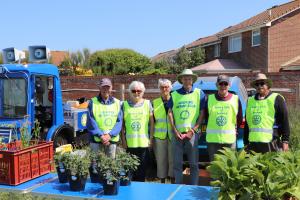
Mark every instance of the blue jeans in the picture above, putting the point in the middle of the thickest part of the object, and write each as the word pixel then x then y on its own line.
pixel 190 147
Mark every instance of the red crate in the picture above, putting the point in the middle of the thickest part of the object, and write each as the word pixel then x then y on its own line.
pixel 23 165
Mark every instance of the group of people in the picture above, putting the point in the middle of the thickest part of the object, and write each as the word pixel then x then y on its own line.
pixel 171 123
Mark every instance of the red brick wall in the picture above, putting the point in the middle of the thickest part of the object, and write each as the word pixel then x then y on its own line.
pixel 280 80
pixel 284 41
pixel 249 57
pixel 209 53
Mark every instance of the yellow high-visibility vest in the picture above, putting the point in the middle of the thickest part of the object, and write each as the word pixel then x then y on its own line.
pixel 162 126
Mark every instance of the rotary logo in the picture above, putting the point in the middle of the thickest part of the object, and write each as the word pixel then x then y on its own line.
pixel 221 120
pixel 136 126
pixel 108 122
pixel 256 119
pixel 83 119
pixel 184 114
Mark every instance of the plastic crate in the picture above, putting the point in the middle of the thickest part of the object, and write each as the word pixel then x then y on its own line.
pixel 23 165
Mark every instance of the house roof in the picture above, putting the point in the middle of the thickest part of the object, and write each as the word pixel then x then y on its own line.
pixel 293 64
pixel 164 55
pixel 202 41
pixel 58 56
pixel 219 64
pixel 263 18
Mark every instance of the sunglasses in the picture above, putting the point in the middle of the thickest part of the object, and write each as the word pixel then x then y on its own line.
pixel 223 84
pixel 136 91
pixel 257 84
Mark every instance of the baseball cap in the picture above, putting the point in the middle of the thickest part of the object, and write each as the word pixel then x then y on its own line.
pixel 105 82
pixel 223 78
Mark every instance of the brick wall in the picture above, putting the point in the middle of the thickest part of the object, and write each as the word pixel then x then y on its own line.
pixel 284 41
pixel 280 80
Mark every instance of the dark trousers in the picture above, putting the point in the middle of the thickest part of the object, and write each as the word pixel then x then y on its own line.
pixel 142 154
pixel 213 149
pixel 260 147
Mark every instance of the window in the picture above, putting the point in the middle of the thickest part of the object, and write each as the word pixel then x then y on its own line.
pixel 256 37
pixel 235 43
pixel 217 50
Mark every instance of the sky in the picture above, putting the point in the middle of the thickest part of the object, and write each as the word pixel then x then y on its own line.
pixel 146 26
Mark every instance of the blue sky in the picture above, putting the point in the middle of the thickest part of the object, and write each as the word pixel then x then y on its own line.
pixel 148 27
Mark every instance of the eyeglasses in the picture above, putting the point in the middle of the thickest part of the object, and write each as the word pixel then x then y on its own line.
pixel 164 87
pixel 223 84
pixel 257 84
pixel 136 91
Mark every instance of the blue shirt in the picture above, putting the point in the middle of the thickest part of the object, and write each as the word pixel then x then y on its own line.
pixel 91 124
pixel 183 92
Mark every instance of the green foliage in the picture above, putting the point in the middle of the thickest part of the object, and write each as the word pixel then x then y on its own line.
pixel 258 176
pixel 78 162
pixel 118 61
pixel 128 162
pixel 294 116
pixel 183 58
pixel 1 58
pixel 25 134
pixel 197 56
pixel 109 167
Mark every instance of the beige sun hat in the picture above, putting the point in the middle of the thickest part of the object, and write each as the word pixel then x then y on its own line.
pixel 187 72
pixel 261 77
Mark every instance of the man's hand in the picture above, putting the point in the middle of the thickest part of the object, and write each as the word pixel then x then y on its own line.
pixel 189 134
pixel 285 146
pixel 105 139
pixel 178 135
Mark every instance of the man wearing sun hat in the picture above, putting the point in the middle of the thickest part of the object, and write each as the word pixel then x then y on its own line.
pixel 267 124
pixel 185 114
pixel 104 121
pixel 224 114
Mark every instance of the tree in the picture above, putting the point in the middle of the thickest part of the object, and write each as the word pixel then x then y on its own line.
pixel 183 58
pixel 1 58
pixel 197 56
pixel 86 56
pixel 118 61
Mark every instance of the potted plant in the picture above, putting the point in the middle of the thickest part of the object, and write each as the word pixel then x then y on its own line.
pixel 60 158
pixel 110 170
pixel 129 164
pixel 77 165
pixel 95 175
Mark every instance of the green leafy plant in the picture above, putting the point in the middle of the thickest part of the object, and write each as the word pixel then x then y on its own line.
pixel 256 176
pixel 128 162
pixel 25 134
pixel 110 168
pixel 76 162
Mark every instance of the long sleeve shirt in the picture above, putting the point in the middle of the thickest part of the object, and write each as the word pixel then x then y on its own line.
pixel 92 126
pixel 281 128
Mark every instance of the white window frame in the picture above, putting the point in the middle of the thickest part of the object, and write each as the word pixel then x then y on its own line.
pixel 256 33
pixel 217 49
pixel 235 43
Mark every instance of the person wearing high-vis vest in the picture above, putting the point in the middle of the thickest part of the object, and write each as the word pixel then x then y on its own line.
pixel 163 132
pixel 185 115
pixel 137 132
pixel 224 114
pixel 104 120
pixel 267 125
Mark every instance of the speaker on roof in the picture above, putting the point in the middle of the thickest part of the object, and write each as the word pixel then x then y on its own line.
pixel 12 55
pixel 39 53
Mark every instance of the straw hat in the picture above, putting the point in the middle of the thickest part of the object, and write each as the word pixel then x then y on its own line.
pixel 187 72
pixel 261 77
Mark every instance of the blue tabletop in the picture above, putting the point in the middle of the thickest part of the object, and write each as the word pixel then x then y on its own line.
pixel 49 186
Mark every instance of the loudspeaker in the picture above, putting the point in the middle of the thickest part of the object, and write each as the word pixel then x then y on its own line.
pixel 39 54
pixel 12 55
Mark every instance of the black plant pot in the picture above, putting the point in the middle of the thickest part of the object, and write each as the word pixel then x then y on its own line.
pixel 111 188
pixel 95 177
pixel 126 180
pixel 78 184
pixel 62 175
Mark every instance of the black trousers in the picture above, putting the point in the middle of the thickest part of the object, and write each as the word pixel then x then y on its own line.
pixel 260 147
pixel 142 154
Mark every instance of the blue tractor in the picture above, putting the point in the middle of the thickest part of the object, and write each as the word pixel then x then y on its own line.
pixel 32 92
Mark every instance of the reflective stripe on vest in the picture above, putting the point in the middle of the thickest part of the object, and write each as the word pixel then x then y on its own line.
pixel 162 127
pixel 136 124
pixel 260 116
pixel 186 109
pixel 106 117
pixel 221 125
